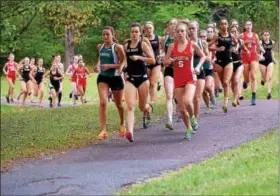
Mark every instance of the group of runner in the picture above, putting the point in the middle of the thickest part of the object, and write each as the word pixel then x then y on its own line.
pixel 193 64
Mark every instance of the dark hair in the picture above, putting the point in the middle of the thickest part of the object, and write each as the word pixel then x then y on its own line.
pixel 265 31
pixel 136 24
pixel 112 31
pixel 79 60
pixel 223 19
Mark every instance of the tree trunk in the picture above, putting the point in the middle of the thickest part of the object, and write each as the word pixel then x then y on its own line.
pixel 69 47
pixel 69 44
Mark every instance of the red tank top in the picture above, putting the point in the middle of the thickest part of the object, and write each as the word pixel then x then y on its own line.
pixel 74 76
pixel 183 69
pixel 250 43
pixel 81 73
pixel 11 68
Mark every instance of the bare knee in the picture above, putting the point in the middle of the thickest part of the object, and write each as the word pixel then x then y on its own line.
pixel 130 106
pixel 119 105
pixel 226 83
pixel 103 104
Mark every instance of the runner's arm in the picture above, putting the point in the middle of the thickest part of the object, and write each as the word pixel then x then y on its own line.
pixel 168 60
pixel 200 53
pixel 4 68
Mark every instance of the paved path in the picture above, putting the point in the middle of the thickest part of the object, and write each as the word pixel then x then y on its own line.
pixel 106 167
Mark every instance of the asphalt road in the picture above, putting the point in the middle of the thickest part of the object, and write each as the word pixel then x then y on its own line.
pixel 106 167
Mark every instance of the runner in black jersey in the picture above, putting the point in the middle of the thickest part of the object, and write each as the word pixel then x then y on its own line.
pixel 137 78
pixel 168 73
pixel 266 63
pixel 25 82
pixel 208 93
pixel 154 71
pixel 238 68
pixel 36 75
pixel 55 77
pixel 223 65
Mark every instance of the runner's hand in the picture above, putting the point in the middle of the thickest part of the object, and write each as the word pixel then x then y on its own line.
pixel 134 57
pixel 96 69
pixel 197 71
pixel 220 49
pixel 104 67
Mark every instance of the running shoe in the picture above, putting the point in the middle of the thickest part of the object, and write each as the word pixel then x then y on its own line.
pixel 245 85
pixel 129 136
pixel 216 93
pixel 169 125
pixel 213 101
pixel 51 105
pixel 241 97
pixel 253 101
pixel 59 105
pixel 220 90
pixel 145 126
pixel 76 97
pixel 234 104
pixel 208 110
pixel 179 118
pixel 225 108
pixel 70 95
pixel 85 101
pixel 268 96
pixel 194 123
pixel 262 83
pixel 102 136
pixel 7 99
pixel 12 100
pixel 188 134
pixel 122 131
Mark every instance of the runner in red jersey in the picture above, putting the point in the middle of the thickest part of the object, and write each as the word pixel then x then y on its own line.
pixel 10 70
pixel 70 71
pixel 82 73
pixel 249 55
pixel 181 53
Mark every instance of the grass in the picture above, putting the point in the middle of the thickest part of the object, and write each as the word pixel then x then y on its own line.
pixel 251 169
pixel 44 131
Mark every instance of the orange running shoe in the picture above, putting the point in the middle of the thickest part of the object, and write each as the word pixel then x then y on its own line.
pixel 122 131
pixel 102 135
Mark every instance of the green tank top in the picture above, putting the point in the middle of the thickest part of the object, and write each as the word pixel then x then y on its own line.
pixel 108 56
pixel 167 42
pixel 196 57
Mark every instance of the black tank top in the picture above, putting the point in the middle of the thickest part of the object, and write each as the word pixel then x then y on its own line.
pixel 25 70
pixel 155 45
pixel 227 43
pixel 135 68
pixel 267 47
pixel 52 75
pixel 236 57
pixel 39 74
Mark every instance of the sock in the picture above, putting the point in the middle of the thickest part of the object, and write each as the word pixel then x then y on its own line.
pixel 59 97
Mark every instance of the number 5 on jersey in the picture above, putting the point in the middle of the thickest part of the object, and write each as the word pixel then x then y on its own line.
pixel 180 63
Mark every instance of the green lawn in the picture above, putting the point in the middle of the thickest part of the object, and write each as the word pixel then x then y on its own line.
pixel 251 169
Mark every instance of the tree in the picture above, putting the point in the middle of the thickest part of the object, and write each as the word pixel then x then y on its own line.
pixel 71 20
